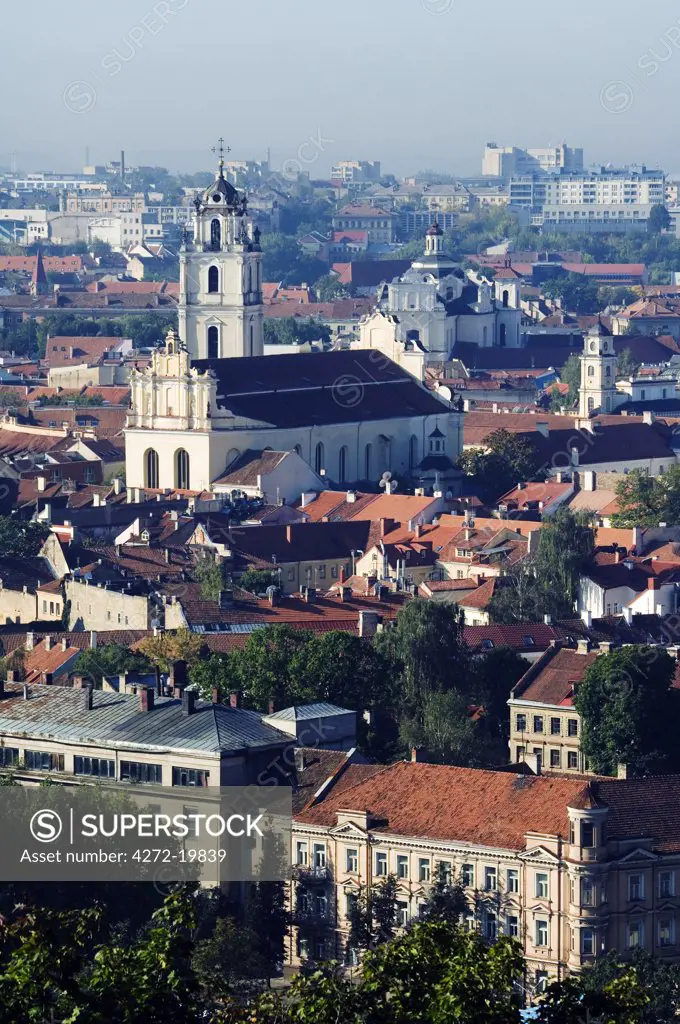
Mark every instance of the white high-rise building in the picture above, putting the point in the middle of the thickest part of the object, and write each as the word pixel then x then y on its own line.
pixel 507 161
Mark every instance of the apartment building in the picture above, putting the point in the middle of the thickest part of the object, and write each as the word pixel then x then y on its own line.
pixel 545 728
pixel 356 172
pixel 506 161
pixel 571 868
pixel 619 199
pixel 379 224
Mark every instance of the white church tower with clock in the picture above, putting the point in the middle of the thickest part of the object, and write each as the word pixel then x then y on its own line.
pixel 220 293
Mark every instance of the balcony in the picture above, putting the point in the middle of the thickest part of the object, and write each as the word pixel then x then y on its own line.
pixel 307 873
pixel 309 918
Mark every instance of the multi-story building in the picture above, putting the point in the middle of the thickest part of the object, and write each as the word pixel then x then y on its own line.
pixel 380 225
pixel 614 199
pixel 107 202
pixel 570 867
pixel 506 161
pixel 356 172
pixel 74 734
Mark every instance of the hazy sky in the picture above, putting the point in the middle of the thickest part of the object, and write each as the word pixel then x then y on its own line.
pixel 413 83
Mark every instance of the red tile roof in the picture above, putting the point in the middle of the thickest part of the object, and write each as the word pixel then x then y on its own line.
pixel 553 678
pixel 485 808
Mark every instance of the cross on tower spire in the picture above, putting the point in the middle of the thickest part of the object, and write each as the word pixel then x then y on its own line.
pixel 221 150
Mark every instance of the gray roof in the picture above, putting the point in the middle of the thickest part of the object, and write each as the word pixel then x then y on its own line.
pixel 59 713
pixel 307 712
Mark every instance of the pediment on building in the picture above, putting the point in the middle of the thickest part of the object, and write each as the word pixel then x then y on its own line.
pixel 638 854
pixel 539 853
pixel 348 830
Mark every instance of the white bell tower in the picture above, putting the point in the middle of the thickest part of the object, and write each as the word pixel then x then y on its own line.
pixel 220 292
pixel 597 393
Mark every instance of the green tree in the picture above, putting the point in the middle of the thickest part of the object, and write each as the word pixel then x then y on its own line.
pixel 658 979
pixel 265 668
pixel 108 660
pixel 659 219
pixel 229 961
pixel 626 365
pixel 503 460
pixel 166 648
pixel 425 651
pixel 328 289
pixel 570 374
pixel 214 673
pixel 577 292
pixel 646 500
pixel 446 901
pixel 256 581
pixel 342 669
pixel 445 729
pixel 548 582
pixel 21 540
pixel 629 712
pixel 211 577
pixel 373 915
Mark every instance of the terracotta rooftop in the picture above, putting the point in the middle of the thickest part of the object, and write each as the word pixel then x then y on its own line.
pixel 553 678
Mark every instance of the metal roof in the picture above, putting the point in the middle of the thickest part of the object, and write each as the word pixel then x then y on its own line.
pixel 306 712
pixel 116 721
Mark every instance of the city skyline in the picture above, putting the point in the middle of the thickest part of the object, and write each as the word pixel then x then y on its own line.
pixel 407 57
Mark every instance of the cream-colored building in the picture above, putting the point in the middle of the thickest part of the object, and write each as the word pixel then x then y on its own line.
pixel 571 868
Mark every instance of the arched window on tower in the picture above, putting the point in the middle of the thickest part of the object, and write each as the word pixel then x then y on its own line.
pixel 215 234
pixel 151 468
pixel 319 458
pixel 591 404
pixel 213 280
pixel 368 461
pixel 503 336
pixel 250 279
pixel 413 452
pixel 506 298
pixel 182 475
pixel 342 465
pixel 213 343
pixel 607 371
pixel 591 371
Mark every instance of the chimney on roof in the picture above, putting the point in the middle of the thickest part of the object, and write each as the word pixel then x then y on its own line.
pixel 41 483
pixel 273 596
pixel 583 646
pixel 309 595
pixel 226 599
pixel 235 699
pixel 64 643
pixel 628 615
pixel 368 623
pixel 158 684
pixel 188 701
pixel 648 417
pixel 147 698
pixel 351 497
pixel 606 646
pixel 418 755
pixel 622 771
pixel 27 692
pixel 271 707
pixel 418 531
pixel 178 677
pixel 216 695
pixel 46 678
pixel 653 583
pixel 30 641
pixel 345 594
pixel 86 698
pixel 166 555
pixel 386 526
pixel 117 485
pixel 48 643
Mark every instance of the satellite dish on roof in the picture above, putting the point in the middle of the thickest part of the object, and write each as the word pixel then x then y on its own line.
pixel 445 392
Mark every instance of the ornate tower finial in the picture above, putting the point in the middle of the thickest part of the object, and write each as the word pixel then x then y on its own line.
pixel 221 150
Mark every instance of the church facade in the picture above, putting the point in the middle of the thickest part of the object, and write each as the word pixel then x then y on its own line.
pixel 422 315
pixel 211 396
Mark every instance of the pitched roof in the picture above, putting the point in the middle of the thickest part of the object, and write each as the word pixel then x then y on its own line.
pixel 114 721
pixel 247 469
pixel 295 390
pixel 553 678
pixel 426 801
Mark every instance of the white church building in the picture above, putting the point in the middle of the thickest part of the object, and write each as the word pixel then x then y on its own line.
pixel 211 395
pixel 420 316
